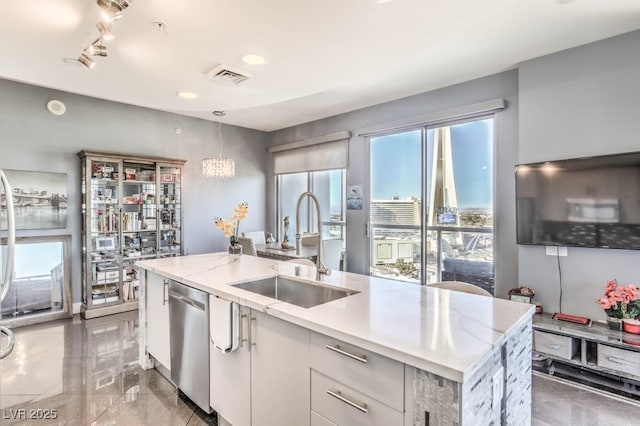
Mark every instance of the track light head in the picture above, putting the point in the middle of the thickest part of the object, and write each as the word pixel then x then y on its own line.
pixel 97 49
pixel 114 6
pixel 105 30
pixel 86 61
pixel 112 10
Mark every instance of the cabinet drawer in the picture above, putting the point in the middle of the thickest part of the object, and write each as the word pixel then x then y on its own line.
pixel 619 359
pixel 553 344
pixel 375 375
pixel 318 420
pixel 345 406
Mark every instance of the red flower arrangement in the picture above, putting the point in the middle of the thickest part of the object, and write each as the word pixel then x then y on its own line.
pixel 620 301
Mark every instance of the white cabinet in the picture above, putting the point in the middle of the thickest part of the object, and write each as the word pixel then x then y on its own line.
pixel 158 318
pixel 351 386
pixel 318 420
pixel 230 373
pixel 266 381
pixel 279 372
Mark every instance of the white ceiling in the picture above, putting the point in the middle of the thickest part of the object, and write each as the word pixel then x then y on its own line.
pixel 324 57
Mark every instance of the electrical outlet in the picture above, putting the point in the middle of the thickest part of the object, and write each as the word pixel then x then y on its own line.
pixel 497 387
pixel 556 251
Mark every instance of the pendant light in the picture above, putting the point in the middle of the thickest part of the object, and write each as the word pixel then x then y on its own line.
pixel 219 167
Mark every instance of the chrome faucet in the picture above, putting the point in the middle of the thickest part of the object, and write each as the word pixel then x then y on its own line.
pixel 320 268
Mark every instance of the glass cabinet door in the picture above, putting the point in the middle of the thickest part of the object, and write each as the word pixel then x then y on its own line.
pixel 104 223
pixel 139 223
pixel 169 210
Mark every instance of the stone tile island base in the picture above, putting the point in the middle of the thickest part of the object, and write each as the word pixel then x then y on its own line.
pixel 440 401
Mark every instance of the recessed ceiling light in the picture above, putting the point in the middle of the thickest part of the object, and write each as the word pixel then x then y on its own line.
pixel 187 95
pixel 254 59
pixel 564 1
pixel 383 1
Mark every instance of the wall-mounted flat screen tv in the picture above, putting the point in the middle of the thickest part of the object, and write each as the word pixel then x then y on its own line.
pixel 582 202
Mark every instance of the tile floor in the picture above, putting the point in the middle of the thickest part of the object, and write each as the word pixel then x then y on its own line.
pixel 86 373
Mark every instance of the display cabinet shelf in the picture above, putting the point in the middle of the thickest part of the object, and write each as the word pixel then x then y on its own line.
pixel 131 211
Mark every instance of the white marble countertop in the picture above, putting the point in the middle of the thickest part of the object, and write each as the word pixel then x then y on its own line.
pixel 439 331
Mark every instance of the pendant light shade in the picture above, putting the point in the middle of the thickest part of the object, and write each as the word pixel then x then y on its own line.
pixel 219 167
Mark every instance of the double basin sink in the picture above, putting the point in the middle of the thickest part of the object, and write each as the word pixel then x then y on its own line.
pixel 296 292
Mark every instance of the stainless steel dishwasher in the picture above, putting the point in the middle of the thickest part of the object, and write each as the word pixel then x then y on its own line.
pixel 189 336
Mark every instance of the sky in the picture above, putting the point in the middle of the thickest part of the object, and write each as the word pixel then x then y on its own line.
pixel 396 164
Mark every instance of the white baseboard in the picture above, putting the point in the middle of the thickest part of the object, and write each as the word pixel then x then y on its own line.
pixel 76 307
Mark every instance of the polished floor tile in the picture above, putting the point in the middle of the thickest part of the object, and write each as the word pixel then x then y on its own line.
pixel 86 372
pixel 557 402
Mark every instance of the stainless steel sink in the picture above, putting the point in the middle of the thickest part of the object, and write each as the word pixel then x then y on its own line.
pixel 295 292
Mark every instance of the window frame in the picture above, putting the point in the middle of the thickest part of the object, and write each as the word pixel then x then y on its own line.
pixel 424 227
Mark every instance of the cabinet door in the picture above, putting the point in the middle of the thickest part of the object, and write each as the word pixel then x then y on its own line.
pixel 280 381
pixel 169 210
pixel 101 228
pixel 230 385
pixel 158 319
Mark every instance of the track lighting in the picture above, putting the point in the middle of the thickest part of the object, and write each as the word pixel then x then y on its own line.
pixel 111 11
pixel 97 49
pixel 105 30
pixel 86 61
pixel 114 6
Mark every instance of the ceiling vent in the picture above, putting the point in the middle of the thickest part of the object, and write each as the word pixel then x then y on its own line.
pixel 226 74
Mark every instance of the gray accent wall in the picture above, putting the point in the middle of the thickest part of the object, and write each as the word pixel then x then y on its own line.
pixel 503 85
pixel 31 138
pixel 575 103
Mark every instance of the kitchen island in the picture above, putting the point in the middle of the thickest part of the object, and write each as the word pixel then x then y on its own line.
pixel 457 358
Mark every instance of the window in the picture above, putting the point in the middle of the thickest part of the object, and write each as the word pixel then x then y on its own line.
pixel 450 237
pixel 328 186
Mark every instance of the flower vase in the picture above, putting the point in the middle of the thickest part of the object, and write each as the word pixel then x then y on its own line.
pixel 614 323
pixel 631 325
pixel 235 250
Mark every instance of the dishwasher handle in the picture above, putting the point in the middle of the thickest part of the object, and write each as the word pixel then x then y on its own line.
pixel 180 298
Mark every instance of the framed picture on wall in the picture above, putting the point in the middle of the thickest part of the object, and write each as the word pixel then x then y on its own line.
pixel 40 200
pixel 354 197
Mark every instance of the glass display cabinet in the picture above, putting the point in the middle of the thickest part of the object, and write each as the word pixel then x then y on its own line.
pixel 131 210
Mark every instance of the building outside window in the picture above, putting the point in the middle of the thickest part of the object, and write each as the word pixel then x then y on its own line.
pixel 450 235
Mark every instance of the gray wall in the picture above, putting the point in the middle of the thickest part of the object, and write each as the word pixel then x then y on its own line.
pixel 33 139
pixel 504 85
pixel 579 102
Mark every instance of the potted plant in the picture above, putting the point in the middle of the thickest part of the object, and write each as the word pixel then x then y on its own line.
pixel 231 227
pixel 622 306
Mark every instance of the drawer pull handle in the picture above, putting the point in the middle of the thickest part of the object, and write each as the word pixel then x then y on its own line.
pixel 165 291
pixel 337 348
pixel 338 395
pixel 618 360
pixel 556 347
